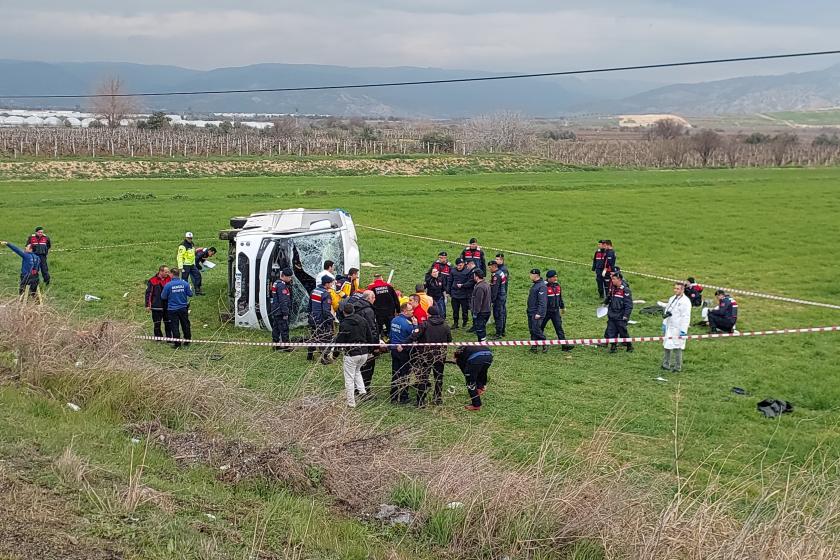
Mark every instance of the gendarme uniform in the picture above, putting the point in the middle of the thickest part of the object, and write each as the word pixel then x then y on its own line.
pixel 320 317
pixel 281 306
pixel 554 296
pixel 619 304
pixel 537 309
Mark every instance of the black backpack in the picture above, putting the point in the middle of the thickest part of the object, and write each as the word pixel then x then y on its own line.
pixel 771 408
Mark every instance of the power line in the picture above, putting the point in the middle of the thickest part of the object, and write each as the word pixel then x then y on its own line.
pixel 432 82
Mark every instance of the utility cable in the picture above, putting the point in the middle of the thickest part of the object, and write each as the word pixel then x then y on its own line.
pixel 433 82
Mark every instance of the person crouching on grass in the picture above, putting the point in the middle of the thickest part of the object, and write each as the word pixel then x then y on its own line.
pixel 675 324
pixel 474 362
pixel 29 265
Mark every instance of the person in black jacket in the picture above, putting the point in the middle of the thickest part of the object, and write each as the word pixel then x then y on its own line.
pixel 280 309
pixel 202 254
pixel 480 304
pixel 619 302
pixel 386 303
pixel 474 254
pixel 41 246
pixel 154 304
pixel 354 329
pixel 498 296
pixel 363 306
pixel 537 309
pixel 556 307
pixel 609 264
pixel 435 286
pixel 474 362
pixel 444 267
pixel 431 358
pixel 598 267
pixel 461 292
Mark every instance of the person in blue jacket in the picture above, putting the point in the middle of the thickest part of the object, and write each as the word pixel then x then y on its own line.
pixel 29 266
pixel 401 330
pixel 176 296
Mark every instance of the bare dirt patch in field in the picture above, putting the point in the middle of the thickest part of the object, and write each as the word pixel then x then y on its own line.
pixel 108 169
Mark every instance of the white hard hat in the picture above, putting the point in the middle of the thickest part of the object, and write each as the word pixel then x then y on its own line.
pixel 188 234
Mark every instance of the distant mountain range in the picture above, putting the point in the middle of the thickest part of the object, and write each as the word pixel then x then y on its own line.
pixel 543 97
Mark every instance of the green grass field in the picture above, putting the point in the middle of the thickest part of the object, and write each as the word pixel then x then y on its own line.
pixel 829 117
pixel 765 230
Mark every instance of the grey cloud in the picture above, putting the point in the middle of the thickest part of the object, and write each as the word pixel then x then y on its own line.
pixel 490 35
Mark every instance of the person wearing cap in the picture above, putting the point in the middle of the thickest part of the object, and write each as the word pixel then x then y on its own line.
pixel 202 254
pixel 537 308
pixel 555 308
pixel 474 254
pixel 29 265
pixel 498 297
pixel 41 245
pixel 186 259
pixel 386 303
pixel 321 317
pixel 354 329
pixel 444 268
pixel 474 362
pixel 722 318
pixel 435 288
pixel 609 264
pixel 461 292
pixel 598 268
pixel 619 302
pixel 480 304
pixel 431 359
pixel 677 316
pixel 280 309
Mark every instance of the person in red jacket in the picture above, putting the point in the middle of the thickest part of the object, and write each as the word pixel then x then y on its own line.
pixel 154 288
pixel 386 306
pixel 41 246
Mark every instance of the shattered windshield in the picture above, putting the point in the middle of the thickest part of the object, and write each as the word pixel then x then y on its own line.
pixel 310 252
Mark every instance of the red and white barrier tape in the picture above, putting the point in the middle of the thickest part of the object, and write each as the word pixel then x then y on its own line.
pixel 623 270
pixel 568 342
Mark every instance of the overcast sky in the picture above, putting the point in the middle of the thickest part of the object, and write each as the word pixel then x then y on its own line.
pixel 491 35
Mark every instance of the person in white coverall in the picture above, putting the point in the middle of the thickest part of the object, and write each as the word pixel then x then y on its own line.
pixel 675 324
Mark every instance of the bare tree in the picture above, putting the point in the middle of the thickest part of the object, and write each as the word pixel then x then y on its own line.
pixel 677 149
pixel 286 127
pixel 731 148
pixel 666 129
pixel 503 131
pixel 111 102
pixel 781 145
pixel 705 143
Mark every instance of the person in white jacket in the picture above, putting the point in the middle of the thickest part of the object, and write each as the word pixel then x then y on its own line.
pixel 675 324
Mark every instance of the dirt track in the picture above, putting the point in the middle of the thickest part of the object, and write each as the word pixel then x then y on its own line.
pixel 107 169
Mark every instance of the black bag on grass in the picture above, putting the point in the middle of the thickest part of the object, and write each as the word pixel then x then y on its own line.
pixel 771 408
